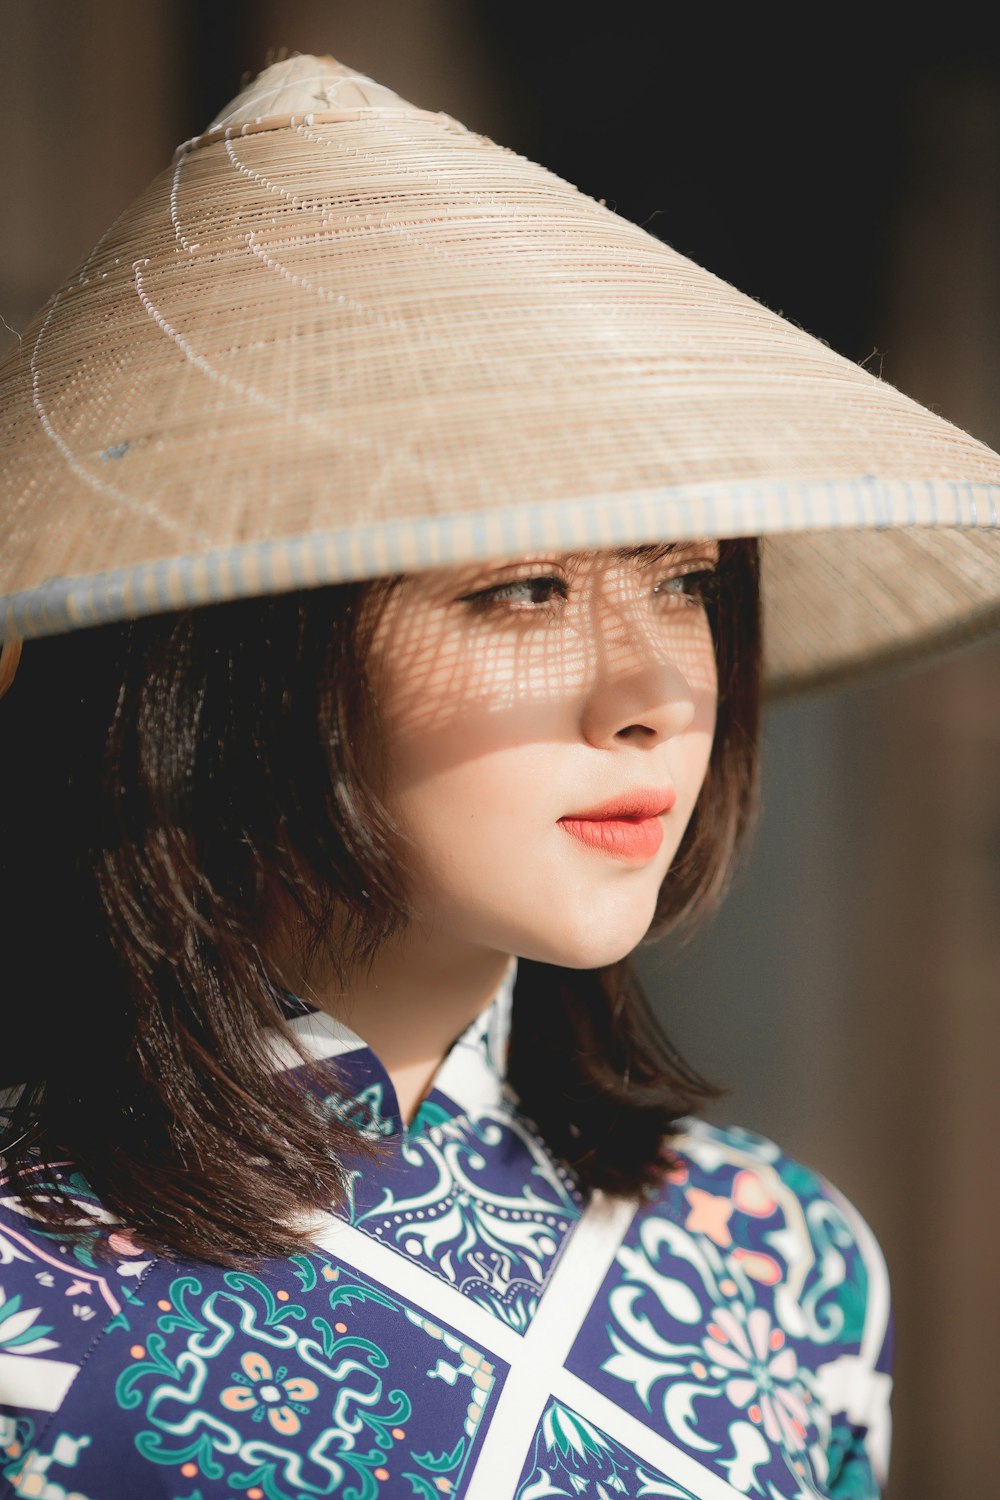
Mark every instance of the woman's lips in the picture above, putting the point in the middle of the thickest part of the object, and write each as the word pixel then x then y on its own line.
pixel 622 838
pixel 627 828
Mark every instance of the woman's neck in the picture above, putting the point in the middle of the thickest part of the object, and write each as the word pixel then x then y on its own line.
pixel 418 996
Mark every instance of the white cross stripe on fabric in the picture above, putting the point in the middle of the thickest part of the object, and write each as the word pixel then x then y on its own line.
pixel 538 1372
pixel 536 1359
pixel 564 1305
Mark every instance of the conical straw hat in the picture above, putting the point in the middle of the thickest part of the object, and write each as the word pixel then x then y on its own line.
pixel 341 336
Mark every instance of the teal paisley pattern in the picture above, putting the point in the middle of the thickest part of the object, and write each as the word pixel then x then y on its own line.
pixel 469 1325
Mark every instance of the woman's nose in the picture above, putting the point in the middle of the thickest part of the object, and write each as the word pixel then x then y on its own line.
pixel 641 708
pixel 640 694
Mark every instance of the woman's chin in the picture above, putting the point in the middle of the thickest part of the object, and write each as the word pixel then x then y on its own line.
pixel 587 945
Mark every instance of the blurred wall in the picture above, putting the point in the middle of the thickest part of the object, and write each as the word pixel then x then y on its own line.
pixel 847 992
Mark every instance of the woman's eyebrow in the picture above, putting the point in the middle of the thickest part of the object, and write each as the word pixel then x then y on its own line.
pixel 650 551
pixel 645 551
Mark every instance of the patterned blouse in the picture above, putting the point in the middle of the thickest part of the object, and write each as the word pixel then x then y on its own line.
pixel 470 1326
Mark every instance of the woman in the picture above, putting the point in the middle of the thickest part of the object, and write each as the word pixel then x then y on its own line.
pixel 378 1176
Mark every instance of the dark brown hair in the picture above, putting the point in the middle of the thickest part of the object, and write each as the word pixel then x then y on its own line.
pixel 168 780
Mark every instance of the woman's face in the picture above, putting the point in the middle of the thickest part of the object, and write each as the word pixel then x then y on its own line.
pixel 548 724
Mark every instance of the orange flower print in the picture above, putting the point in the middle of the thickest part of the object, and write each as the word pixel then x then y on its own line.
pixel 269 1393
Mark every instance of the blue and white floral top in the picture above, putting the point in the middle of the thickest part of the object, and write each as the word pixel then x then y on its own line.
pixel 470 1327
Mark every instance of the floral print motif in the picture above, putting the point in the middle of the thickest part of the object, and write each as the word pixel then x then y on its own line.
pixel 759 1371
pixel 323 1389
pixel 266 1392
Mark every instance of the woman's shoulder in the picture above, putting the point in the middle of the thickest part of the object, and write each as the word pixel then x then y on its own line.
pixel 708 1148
pixel 776 1287
pixel 772 1213
pixel 780 1223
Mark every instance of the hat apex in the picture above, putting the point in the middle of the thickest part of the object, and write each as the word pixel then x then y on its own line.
pixel 301 85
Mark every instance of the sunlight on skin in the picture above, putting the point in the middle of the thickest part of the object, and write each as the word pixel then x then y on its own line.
pixel 511 696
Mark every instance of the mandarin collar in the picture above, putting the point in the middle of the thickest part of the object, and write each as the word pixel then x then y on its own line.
pixel 471 1077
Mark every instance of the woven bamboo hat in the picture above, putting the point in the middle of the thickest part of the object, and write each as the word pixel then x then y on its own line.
pixel 341 336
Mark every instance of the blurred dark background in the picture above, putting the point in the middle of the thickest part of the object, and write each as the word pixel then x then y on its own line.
pixel 843 166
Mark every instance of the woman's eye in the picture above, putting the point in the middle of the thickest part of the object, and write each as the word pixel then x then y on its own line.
pixel 520 593
pixel 695 586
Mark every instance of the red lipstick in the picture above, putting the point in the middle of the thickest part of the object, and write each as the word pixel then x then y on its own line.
pixel 627 827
